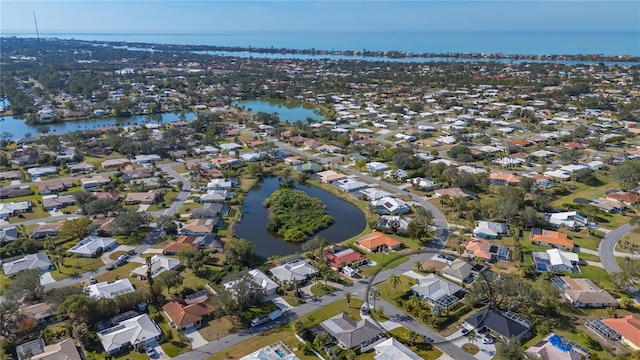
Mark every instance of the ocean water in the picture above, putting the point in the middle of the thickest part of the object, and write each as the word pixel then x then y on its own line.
pixel 527 43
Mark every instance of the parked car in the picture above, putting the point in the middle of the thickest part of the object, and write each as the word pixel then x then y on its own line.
pixel 151 352
pixel 123 258
pixel 111 267
pixel 131 253
pixel 487 341
pixel 428 339
pixel 93 280
pixel 465 331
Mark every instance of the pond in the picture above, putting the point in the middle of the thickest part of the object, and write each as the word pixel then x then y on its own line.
pixel 288 111
pixel 348 221
pixel 18 127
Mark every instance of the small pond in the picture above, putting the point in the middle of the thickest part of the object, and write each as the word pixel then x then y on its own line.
pixel 348 221
pixel 288 111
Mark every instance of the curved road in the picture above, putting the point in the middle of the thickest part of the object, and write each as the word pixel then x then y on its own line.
pixel 608 245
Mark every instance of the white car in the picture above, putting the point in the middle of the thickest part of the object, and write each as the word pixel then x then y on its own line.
pixel 487 341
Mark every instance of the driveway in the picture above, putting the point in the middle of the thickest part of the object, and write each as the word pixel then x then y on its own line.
pixel 159 350
pixel 105 257
pixel 46 278
pixel 195 338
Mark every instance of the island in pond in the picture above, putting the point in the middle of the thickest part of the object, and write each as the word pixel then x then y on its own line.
pixel 294 215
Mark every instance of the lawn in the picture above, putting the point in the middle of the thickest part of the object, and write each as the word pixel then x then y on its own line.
pixel 257 342
pixel 134 239
pixel 122 272
pixel 320 290
pixel 627 241
pixel 114 255
pixel 180 168
pixel 216 329
pixel 420 347
pixel 4 281
pixel 586 240
pixel 73 266
pixel 353 310
pixel 389 293
pixel 598 276
pixel 37 212
pixel 175 343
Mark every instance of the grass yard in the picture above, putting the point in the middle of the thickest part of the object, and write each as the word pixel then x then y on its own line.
pixel 420 347
pixel 187 208
pixel 180 168
pixel 216 329
pixel 74 266
pixel 190 279
pixel 586 240
pixel 247 347
pixel 389 293
pixel 37 212
pixel 320 290
pixel 598 276
pixel 471 348
pixel 175 343
pixel 114 255
pixel 169 196
pixel 4 281
pixel 122 272
pixel 626 242
pixel 316 317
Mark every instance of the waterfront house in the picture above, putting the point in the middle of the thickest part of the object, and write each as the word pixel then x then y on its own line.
pixel 300 270
pixel 211 210
pixel 24 156
pixel 329 176
pixel 339 256
pixel 350 185
pixel 378 242
pixel 390 206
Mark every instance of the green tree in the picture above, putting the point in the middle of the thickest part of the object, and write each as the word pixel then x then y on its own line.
pixel 239 252
pixel 102 206
pixel 348 296
pixel 194 258
pixel 299 328
pixel 130 222
pixel 320 340
pixel 510 350
pixel 24 285
pixel 374 295
pixel 412 336
pixel 167 224
pixel 395 280
pixel 83 198
pixel 76 228
pixel 315 244
pixel 169 280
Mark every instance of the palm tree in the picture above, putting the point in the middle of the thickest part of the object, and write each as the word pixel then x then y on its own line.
pixel 418 265
pixel 472 336
pixel 348 297
pixel 395 280
pixel 374 295
pixel 611 312
pixel 412 336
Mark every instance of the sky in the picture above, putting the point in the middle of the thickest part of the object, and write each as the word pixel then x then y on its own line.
pixel 158 16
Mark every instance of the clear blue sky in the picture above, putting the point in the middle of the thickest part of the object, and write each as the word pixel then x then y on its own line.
pixel 159 16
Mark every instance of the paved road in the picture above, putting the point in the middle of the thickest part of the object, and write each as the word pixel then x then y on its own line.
pixel 184 193
pixel 607 246
pixel 75 177
pixel 4 224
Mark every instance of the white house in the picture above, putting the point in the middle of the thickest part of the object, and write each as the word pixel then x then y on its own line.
pixel 93 245
pixel 300 270
pixel 390 206
pixel 376 166
pixel 145 159
pixel 138 331
pixel 350 185
pixel 374 193
pixel 438 291
pixel 392 349
pixel 28 262
pixel 555 260
pixel 104 290
pixel 422 183
pixel 260 279
pixel 37 172
pixel 159 264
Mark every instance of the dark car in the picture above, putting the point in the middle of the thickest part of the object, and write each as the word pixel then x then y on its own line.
pixel 131 253
pixel 465 331
pixel 111 266
pixel 428 339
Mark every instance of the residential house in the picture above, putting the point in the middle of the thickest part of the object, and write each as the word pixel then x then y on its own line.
pixel 93 245
pixel 81 167
pixel 11 175
pixel 186 316
pixel 52 202
pixel 115 163
pixel 487 251
pixel 350 185
pixel 293 160
pixel 251 157
pixel 261 279
pixel 350 334
pixel 552 348
pixel 330 176
pixel 340 256
pixel 504 324
pixel 229 146
pixel 104 226
pixel 146 159
pixel 15 191
pixel 584 293
pixel 397 224
pixel 211 210
pixel 555 260
pixel 422 183
pixel 607 205
pixel 221 162
pixel 138 332
pixel 54 187
pixel 625 197
pixel 40 312
pixel 308 167
pixel 372 193
pixel 275 351
pixel 14 208
pixel 328 149
pixel 392 349
pixel 390 206
pixel 145 198
pixel 94 182
pixel 299 270
pixel 628 327
pixel 38 261
pixel 222 184
pixel 459 270
pixel 453 192
pixel 8 234
pixel 490 230
pixel 196 227
pixel 140 173
pixel 551 238
pixel 542 180
pixel 215 196
pixel 378 242
pixel 437 291
pixel 185 242
pixel 104 290
pixel 562 218
pixel 24 156
pixel 159 264
pixel 36 350
pixel 499 178
pixel 48 229
pixel 375 167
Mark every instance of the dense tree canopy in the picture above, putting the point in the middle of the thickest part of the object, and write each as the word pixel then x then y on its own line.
pixel 295 215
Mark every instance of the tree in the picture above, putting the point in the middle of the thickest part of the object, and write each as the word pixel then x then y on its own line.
pixel 167 224
pixel 395 279
pixel 315 244
pixel 102 207
pixel 412 336
pixel 348 296
pixel 349 354
pixel 76 307
pixel 239 252
pixel 320 340
pixel 76 228
pixel 130 222
pixel 81 332
pixel 627 174
pixel 510 350
pixel 169 279
pixel 83 198
pixel 193 258
pixel 374 295
pixel 472 336
pixel 24 285
pixel 299 328
pixel 626 303
pixel 241 292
